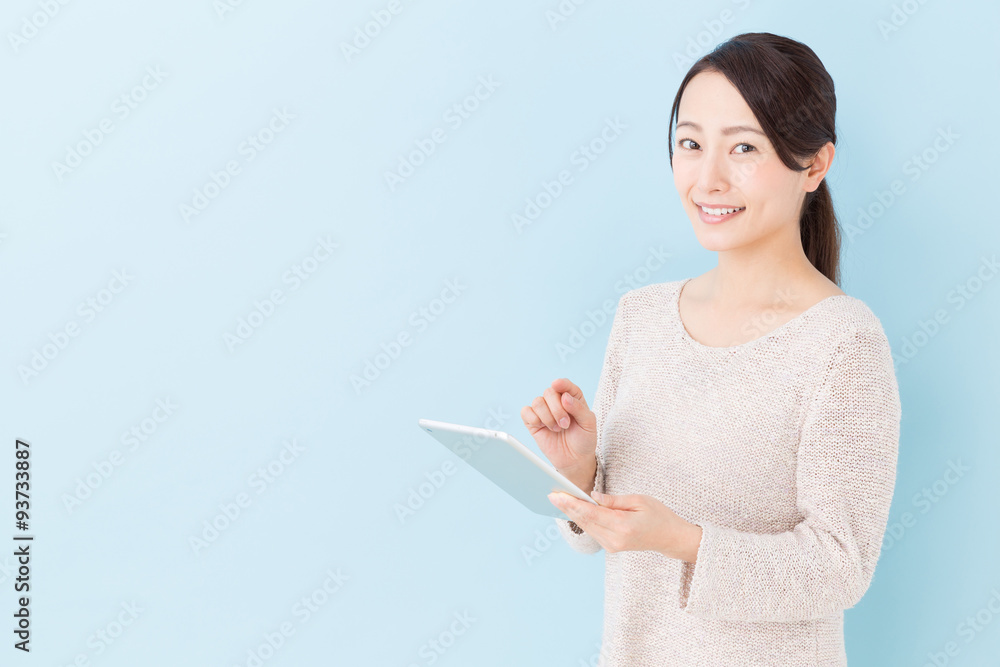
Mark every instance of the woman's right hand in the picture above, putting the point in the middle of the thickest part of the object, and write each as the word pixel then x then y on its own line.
pixel 563 426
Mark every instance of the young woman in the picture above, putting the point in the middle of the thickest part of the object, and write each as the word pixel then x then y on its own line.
pixel 745 430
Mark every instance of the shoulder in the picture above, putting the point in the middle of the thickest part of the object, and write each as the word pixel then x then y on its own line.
pixel 638 308
pixel 852 318
pixel 859 373
pixel 652 291
pixel 858 355
pixel 646 300
pixel 841 333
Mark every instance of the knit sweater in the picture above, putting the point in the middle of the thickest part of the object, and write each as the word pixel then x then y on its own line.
pixel 783 449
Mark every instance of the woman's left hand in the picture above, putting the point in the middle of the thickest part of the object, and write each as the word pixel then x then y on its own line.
pixel 632 522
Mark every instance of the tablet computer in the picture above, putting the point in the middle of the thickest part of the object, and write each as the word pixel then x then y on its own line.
pixel 524 475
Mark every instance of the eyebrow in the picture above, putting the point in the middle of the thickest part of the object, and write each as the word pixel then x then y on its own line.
pixel 727 130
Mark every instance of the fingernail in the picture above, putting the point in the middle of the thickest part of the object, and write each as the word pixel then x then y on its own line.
pixel 564 422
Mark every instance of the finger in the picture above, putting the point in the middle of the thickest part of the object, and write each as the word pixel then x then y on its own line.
pixel 541 409
pixel 579 412
pixel 564 502
pixel 628 501
pixel 592 528
pixel 530 419
pixel 553 402
pixel 563 385
pixel 580 511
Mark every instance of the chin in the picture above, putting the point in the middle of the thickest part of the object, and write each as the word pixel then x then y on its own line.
pixel 716 245
pixel 715 239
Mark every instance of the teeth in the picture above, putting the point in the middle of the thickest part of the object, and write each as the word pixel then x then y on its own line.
pixel 721 211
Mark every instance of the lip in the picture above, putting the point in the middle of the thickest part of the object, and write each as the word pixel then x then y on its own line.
pixel 715 219
pixel 701 203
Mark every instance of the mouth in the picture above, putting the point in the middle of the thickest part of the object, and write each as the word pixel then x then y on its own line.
pixel 713 213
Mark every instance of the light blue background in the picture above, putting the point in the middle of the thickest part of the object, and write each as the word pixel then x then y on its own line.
pixel 493 348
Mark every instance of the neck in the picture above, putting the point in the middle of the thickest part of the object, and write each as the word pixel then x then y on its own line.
pixel 767 271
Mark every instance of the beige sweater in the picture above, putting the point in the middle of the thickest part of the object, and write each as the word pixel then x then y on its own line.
pixel 782 449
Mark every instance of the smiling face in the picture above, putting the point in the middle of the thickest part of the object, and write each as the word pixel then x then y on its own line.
pixel 722 159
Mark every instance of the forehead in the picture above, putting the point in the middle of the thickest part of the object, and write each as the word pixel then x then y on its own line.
pixel 711 100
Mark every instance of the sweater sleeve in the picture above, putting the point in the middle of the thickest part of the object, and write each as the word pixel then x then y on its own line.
pixel 604 398
pixel 845 474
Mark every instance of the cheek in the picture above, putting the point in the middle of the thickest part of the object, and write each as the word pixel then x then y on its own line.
pixel 684 176
pixel 763 185
pixel 750 176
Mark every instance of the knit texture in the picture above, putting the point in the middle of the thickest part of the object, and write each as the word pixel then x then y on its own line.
pixel 782 449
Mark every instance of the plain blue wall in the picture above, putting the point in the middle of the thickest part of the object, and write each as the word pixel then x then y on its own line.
pixel 483 307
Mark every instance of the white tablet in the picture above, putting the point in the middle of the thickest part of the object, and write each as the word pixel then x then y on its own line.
pixel 507 463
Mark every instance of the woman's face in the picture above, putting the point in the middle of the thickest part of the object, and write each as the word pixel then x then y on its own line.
pixel 722 159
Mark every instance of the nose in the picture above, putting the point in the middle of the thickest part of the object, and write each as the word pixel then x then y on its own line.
pixel 713 174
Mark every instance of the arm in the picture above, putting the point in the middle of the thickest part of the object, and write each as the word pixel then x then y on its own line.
pixel 604 398
pixel 846 469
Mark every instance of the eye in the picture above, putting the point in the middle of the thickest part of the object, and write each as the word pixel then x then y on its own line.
pixel 694 146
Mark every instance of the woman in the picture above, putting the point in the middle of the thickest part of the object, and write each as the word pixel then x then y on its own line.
pixel 744 439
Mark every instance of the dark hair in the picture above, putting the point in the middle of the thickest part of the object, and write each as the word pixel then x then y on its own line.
pixel 791 94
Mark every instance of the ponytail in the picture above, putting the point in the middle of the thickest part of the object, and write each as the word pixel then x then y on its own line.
pixel 820 232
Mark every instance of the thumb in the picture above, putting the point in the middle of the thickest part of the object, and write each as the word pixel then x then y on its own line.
pixel 622 502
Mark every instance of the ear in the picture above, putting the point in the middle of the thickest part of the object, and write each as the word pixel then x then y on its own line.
pixel 819 166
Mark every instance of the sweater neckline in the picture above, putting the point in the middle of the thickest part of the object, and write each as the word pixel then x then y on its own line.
pixel 732 349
